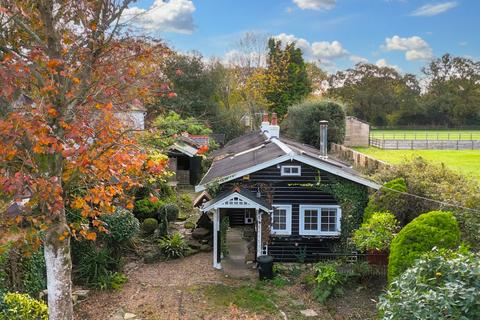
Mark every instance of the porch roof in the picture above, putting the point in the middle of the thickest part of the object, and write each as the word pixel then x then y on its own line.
pixel 237 198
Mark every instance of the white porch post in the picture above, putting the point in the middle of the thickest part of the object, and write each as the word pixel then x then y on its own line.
pixel 216 228
pixel 259 232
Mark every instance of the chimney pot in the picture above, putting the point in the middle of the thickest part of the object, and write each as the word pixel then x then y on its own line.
pixel 265 117
pixel 274 119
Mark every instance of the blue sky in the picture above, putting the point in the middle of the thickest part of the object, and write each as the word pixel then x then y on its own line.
pixel 337 33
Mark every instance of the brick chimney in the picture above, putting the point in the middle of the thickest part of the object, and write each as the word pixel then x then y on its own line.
pixel 265 123
pixel 274 128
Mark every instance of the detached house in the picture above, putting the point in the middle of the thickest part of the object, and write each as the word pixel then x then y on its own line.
pixel 281 187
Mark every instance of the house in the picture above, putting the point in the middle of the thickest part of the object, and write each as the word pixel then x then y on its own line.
pixel 280 187
pixel 185 158
pixel 357 132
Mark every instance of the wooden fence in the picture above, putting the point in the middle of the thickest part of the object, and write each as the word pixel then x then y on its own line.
pixel 426 144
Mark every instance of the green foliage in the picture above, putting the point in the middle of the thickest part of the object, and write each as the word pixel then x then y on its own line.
pixel 377 232
pixel 286 76
pixel 111 281
pixel 171 211
pixel 149 225
pixel 379 95
pixel 4 249
pixel 438 183
pixel 17 306
pixel 122 226
pixel 302 121
pixel 441 285
pixel 224 225
pixel 173 247
pixel 387 200
pixel 145 209
pixel 185 204
pixel 433 229
pixel 34 279
pixel 94 266
pixel 328 280
pixel 352 197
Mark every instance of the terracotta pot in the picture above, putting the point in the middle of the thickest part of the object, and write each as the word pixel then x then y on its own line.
pixel 378 258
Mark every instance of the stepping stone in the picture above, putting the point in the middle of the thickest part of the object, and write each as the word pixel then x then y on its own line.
pixel 309 313
pixel 129 316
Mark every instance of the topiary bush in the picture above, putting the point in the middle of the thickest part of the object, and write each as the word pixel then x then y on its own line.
pixel 441 285
pixel 377 232
pixel 122 226
pixel 22 307
pixel 302 121
pixel 433 229
pixel 149 225
pixel 174 246
pixel 145 208
pixel 171 210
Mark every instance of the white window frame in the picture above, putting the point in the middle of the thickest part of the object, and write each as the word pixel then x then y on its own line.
pixel 283 173
pixel 288 230
pixel 318 232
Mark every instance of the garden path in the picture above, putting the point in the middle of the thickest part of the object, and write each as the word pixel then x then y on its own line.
pixel 234 264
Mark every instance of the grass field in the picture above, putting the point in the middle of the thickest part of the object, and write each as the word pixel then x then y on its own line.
pixel 463 161
pixel 426 134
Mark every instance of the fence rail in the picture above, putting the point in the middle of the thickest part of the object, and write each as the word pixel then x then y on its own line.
pixel 430 136
pixel 424 144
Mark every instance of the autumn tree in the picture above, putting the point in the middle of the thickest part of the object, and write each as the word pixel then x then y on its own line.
pixel 65 70
pixel 286 78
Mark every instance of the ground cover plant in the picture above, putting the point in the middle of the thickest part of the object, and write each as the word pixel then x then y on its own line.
pixel 463 161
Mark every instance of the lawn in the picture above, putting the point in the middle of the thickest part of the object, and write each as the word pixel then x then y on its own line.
pixel 426 134
pixel 464 161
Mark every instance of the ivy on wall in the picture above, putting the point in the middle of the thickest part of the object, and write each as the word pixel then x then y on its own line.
pixel 353 199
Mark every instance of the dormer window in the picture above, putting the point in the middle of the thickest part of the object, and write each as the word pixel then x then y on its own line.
pixel 291 171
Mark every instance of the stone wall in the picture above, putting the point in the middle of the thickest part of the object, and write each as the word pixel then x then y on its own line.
pixel 359 160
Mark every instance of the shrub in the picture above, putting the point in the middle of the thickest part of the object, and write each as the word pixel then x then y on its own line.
pixel 149 225
pixel 443 185
pixel 302 121
pixel 377 232
pixel 22 307
pixel 94 266
pixel 174 246
pixel 34 273
pixel 122 226
pixel 145 209
pixel 441 285
pixel 429 230
pixel 386 200
pixel 328 280
pixel 171 210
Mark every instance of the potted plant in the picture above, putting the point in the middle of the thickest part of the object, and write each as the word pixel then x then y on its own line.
pixel 375 235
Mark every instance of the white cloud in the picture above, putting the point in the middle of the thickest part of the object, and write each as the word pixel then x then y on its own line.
pixel 300 43
pixel 328 50
pixel 429 10
pixel 383 63
pixel 357 59
pixel 163 16
pixel 415 48
pixel 315 4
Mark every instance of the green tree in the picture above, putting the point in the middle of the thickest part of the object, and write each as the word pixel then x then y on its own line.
pixel 453 91
pixel 286 78
pixel 379 95
pixel 302 120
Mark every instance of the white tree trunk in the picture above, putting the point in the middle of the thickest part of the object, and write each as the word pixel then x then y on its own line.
pixel 59 275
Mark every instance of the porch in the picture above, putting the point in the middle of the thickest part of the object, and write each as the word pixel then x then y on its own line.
pixel 244 208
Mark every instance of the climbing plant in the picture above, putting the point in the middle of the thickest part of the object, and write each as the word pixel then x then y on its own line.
pixel 224 224
pixel 353 199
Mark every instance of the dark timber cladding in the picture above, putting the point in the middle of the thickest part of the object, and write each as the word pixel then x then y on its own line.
pixel 291 190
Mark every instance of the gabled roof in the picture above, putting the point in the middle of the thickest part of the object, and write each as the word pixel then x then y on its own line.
pixel 256 151
pixel 242 198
